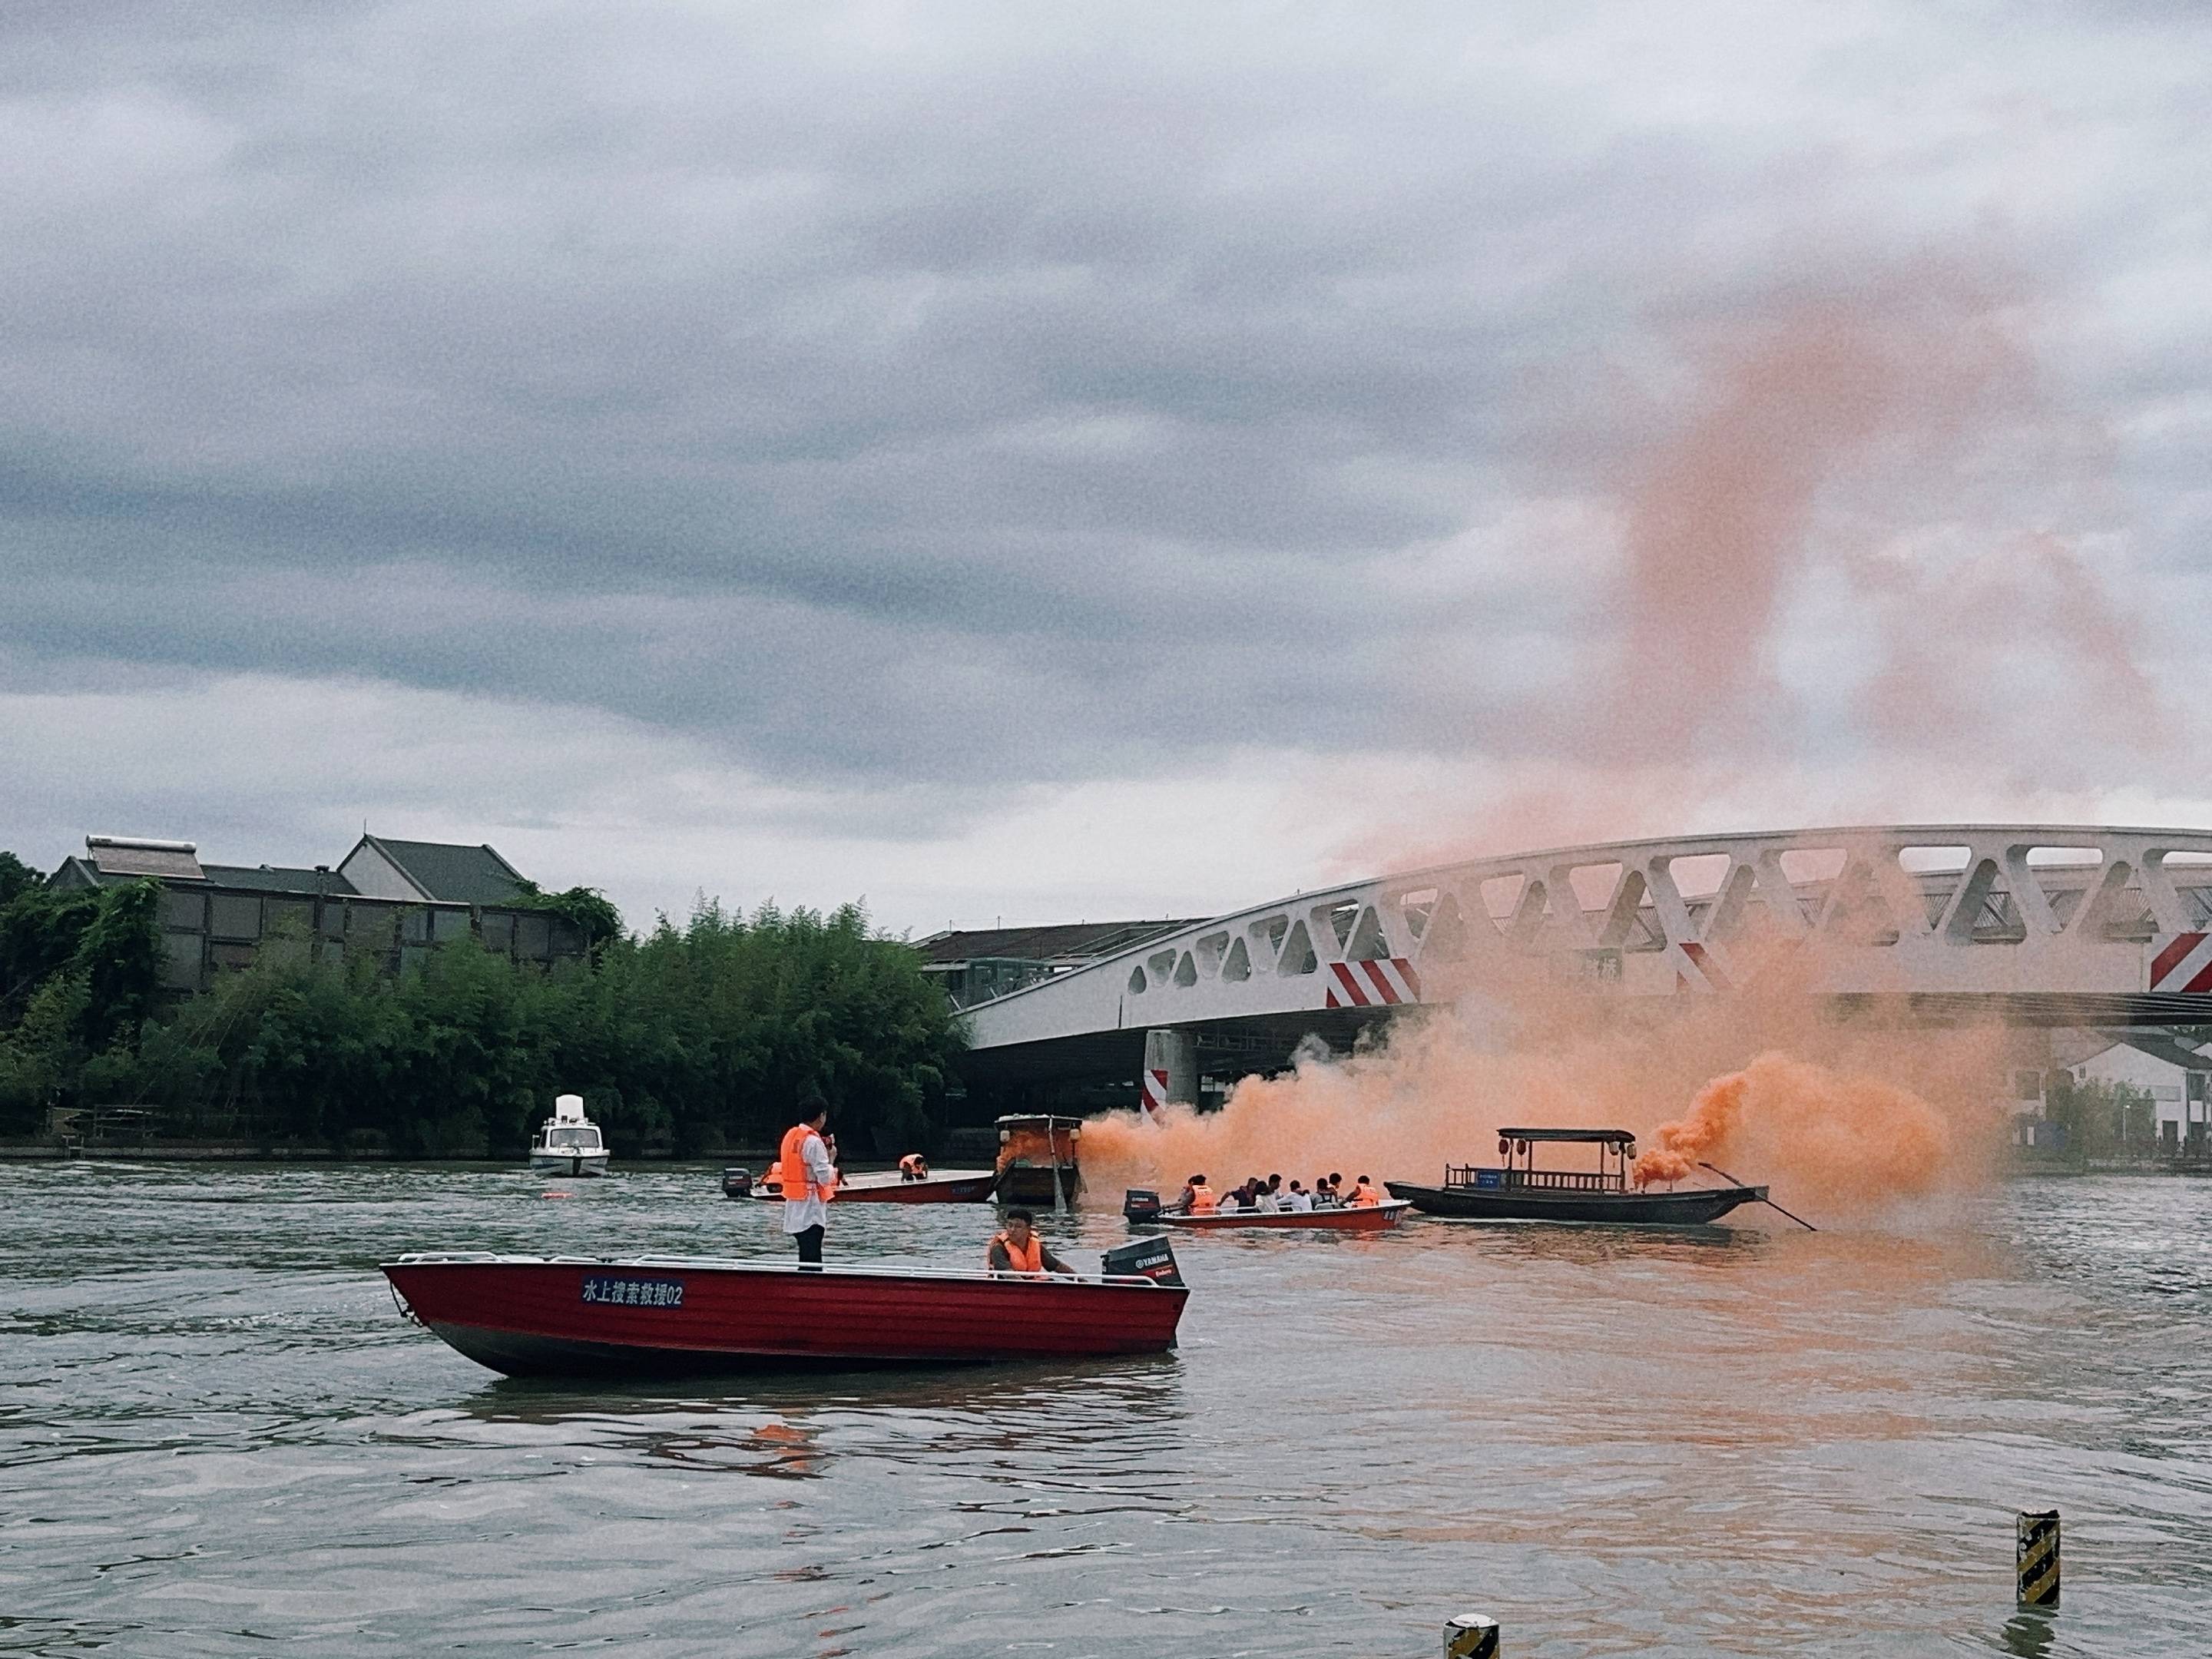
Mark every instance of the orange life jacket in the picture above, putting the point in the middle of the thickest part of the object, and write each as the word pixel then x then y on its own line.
pixel 774 1175
pixel 797 1188
pixel 1363 1194
pixel 1021 1261
pixel 1202 1200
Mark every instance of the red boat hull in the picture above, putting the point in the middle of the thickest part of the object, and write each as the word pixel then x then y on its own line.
pixel 530 1317
pixel 966 1187
pixel 1353 1219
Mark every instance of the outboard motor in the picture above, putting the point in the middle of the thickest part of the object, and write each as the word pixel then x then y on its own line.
pixel 1143 1258
pixel 737 1183
pixel 1140 1204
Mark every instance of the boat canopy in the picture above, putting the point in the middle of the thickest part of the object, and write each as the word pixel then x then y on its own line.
pixel 1606 1137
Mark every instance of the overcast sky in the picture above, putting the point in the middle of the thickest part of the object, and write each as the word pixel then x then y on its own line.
pixel 1079 460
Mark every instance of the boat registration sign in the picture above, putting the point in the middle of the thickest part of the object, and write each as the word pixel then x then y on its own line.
pixel 628 1292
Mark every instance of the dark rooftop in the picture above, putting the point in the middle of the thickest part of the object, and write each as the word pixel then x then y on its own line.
pixel 2159 1048
pixel 1058 941
pixel 276 879
pixel 465 875
pixel 1610 1137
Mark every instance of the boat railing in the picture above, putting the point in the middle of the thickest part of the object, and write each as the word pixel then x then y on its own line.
pixel 1562 1180
pixel 482 1259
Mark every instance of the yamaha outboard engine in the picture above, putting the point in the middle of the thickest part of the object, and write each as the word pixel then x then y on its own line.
pixel 1142 1258
pixel 737 1183
pixel 1140 1204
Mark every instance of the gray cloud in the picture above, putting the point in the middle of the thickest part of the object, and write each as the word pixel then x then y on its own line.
pixel 961 399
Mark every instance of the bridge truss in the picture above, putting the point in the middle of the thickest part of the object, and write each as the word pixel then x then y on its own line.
pixel 2037 924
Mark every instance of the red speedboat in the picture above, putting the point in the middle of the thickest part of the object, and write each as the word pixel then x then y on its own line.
pixel 942 1187
pixel 528 1316
pixel 1346 1218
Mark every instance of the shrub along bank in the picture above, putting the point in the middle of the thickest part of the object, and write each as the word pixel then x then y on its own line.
pixel 680 1040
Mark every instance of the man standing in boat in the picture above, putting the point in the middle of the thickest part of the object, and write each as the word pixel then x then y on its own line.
pixel 810 1180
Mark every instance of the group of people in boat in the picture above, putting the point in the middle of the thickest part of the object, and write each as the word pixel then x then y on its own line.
pixel 1270 1197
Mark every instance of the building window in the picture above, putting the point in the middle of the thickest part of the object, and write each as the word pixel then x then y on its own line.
pixel 232 915
pixel 181 962
pixel 295 917
pixel 182 909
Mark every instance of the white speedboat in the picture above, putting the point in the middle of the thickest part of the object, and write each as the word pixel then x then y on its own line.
pixel 568 1142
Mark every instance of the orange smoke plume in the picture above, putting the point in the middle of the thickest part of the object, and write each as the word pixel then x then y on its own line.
pixel 1845 1118
pixel 1851 1140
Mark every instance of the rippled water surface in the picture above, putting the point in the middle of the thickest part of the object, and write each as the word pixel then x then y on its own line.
pixel 216 1436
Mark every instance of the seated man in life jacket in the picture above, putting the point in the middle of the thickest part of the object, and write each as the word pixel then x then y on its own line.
pixel 1019 1250
pixel 1197 1197
pixel 913 1167
pixel 1363 1193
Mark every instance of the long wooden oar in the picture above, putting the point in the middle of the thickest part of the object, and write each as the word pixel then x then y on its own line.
pixel 1769 1202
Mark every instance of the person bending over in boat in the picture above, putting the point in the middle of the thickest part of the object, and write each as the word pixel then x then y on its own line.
pixel 913 1167
pixel 1363 1194
pixel 1197 1197
pixel 1019 1250
pixel 810 1180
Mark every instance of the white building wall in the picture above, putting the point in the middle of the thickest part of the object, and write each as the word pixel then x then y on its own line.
pixel 374 876
pixel 2166 1083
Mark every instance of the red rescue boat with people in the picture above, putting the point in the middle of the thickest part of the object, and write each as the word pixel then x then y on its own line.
pixel 1266 1204
pixel 657 1314
pixel 933 1186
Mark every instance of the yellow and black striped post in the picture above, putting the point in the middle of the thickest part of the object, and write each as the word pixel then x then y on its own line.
pixel 1471 1636
pixel 2038 1559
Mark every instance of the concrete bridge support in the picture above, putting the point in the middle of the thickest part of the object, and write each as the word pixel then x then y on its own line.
pixel 1170 1068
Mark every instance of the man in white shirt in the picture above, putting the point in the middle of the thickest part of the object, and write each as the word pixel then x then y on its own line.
pixel 810 1180
pixel 1298 1198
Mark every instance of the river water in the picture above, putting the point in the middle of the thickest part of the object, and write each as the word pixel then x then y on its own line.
pixel 216 1436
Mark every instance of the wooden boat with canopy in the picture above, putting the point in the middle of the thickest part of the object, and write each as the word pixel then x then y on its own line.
pixel 1039 1158
pixel 1519 1191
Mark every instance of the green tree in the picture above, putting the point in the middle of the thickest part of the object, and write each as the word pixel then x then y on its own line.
pixel 2102 1119
pixel 16 878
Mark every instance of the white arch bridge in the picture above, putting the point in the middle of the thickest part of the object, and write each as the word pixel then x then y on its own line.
pixel 2030 924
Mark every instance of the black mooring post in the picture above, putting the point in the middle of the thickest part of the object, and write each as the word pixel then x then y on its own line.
pixel 2037 1558
pixel 1471 1636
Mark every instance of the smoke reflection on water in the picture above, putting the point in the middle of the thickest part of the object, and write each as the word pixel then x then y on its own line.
pixel 215 1433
